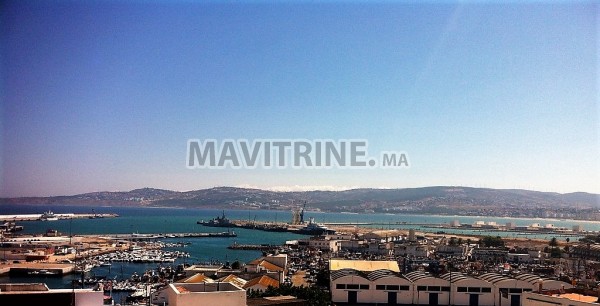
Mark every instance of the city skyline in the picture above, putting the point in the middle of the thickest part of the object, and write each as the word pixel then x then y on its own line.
pixel 105 95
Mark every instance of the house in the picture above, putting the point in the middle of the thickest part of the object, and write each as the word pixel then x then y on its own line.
pixel 261 283
pixel 273 265
pixel 238 281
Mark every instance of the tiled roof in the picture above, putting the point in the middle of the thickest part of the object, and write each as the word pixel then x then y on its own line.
pixel 240 282
pixel 270 266
pixel 198 278
pixel 262 280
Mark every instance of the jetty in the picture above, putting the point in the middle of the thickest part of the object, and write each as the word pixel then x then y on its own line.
pixel 136 236
pixel 253 247
pixel 44 217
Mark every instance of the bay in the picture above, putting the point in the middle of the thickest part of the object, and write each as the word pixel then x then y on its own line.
pixel 146 220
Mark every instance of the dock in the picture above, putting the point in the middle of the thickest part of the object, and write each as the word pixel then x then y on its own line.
pixel 170 235
pixel 253 247
pixel 38 217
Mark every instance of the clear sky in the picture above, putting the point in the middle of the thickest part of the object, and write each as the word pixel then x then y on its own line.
pixel 103 95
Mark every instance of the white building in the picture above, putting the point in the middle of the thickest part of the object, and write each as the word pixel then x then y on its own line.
pixel 547 284
pixel 350 283
pixel 322 244
pixel 182 294
pixel 452 250
pixel 429 290
pixel 39 294
pixel 412 250
pixel 507 291
pixel 466 290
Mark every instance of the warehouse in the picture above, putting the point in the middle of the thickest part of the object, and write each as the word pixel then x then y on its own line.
pixel 507 291
pixel 429 290
pixel 466 290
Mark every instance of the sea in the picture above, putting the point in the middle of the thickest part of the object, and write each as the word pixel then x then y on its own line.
pixel 203 250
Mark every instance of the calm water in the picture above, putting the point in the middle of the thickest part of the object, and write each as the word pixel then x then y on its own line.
pixel 171 220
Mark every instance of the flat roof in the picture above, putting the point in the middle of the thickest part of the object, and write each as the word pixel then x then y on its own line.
pixel 578 297
pixel 363 265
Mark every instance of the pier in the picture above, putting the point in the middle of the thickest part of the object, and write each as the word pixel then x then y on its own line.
pixel 170 235
pixel 38 217
pixel 253 247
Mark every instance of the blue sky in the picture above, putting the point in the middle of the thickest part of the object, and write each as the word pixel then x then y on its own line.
pixel 103 95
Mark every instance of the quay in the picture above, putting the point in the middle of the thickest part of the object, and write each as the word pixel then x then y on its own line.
pixel 253 247
pixel 170 235
pixel 39 217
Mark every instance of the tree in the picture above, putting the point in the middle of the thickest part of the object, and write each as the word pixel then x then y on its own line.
pixel 553 242
pixel 489 241
pixel 554 251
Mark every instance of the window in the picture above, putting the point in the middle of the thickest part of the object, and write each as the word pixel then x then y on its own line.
pixel 515 290
pixel 340 286
pixel 405 288
pixel 486 290
pixel 393 287
pixel 526 290
pixel 421 288
pixel 474 289
pixel 446 288
pixel 352 286
pixel 433 288
pixel 365 287
pixel 379 287
pixel 461 289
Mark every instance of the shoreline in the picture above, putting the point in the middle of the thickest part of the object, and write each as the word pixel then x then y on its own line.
pixel 116 205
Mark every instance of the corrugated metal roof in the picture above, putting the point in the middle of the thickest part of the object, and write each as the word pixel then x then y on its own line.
pixel 454 276
pixel 377 274
pixel 494 277
pixel 417 275
pixel 530 278
pixel 346 272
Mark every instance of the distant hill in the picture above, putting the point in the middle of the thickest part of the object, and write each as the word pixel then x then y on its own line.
pixel 436 199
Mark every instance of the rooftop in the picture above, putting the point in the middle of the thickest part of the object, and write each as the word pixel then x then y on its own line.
pixel 363 265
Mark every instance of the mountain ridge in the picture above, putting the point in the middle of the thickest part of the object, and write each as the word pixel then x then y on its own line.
pixel 426 200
